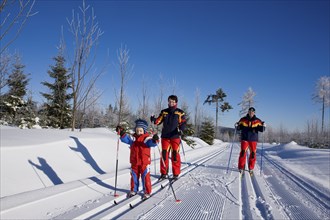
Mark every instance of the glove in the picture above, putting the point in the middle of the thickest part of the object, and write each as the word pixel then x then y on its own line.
pixel 155 138
pixel 180 132
pixel 264 126
pixel 237 127
pixel 152 118
pixel 120 130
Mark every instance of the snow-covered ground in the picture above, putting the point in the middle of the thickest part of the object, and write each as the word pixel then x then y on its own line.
pixel 59 174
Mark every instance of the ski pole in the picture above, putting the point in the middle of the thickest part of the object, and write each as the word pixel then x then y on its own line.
pixel 262 150
pixel 163 162
pixel 160 154
pixel 170 182
pixel 176 199
pixel 37 173
pixel 155 162
pixel 181 143
pixel 115 194
pixel 184 154
pixel 231 150
pixel 153 132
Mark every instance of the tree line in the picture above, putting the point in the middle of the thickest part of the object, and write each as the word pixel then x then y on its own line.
pixel 71 100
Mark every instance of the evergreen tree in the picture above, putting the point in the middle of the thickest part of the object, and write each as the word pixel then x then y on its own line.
pixel 14 110
pixel 28 117
pixel 57 109
pixel 189 130
pixel 17 80
pixel 207 131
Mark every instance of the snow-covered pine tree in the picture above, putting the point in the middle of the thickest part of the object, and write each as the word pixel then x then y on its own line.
pixel 18 80
pixel 57 108
pixel 28 118
pixel 14 109
pixel 207 131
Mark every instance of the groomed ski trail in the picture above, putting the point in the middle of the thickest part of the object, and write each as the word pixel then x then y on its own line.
pixel 164 197
pixel 208 192
pixel 298 198
pixel 108 210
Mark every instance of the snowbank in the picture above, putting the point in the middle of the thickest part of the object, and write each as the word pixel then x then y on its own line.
pixel 48 157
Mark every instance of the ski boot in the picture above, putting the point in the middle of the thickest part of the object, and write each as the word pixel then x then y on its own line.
pixel 175 178
pixel 145 196
pixel 162 177
pixel 131 194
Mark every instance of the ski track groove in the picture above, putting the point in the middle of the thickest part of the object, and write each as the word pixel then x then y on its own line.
pixel 204 190
pixel 170 199
pixel 259 200
pixel 297 188
pixel 261 205
pixel 246 209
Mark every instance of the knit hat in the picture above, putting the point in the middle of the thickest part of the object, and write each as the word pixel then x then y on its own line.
pixel 140 123
pixel 252 109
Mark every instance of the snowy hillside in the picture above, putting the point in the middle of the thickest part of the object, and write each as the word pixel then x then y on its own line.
pixel 59 174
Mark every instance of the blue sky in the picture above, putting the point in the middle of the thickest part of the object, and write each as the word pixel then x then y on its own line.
pixel 279 48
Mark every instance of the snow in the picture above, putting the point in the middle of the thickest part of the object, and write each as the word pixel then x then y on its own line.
pixel 60 174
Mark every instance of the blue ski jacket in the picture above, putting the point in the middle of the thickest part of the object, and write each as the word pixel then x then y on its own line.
pixel 250 127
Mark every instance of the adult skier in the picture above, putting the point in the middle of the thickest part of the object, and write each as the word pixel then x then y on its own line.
pixel 174 121
pixel 249 126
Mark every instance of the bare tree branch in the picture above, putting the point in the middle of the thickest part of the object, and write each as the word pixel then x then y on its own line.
pixel 14 22
pixel 125 71
pixel 86 34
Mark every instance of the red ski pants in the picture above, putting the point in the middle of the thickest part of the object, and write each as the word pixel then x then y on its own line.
pixel 252 145
pixel 142 171
pixel 170 145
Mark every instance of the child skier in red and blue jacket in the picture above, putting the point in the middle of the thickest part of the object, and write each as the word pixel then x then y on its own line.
pixel 140 143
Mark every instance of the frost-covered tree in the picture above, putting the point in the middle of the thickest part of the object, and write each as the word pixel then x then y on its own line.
pixel 125 71
pixel 322 95
pixel 160 100
pixel 57 108
pixel 109 116
pixel 5 63
pixel 86 33
pixel 207 131
pixel 247 102
pixel 197 111
pixel 89 111
pixel 144 106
